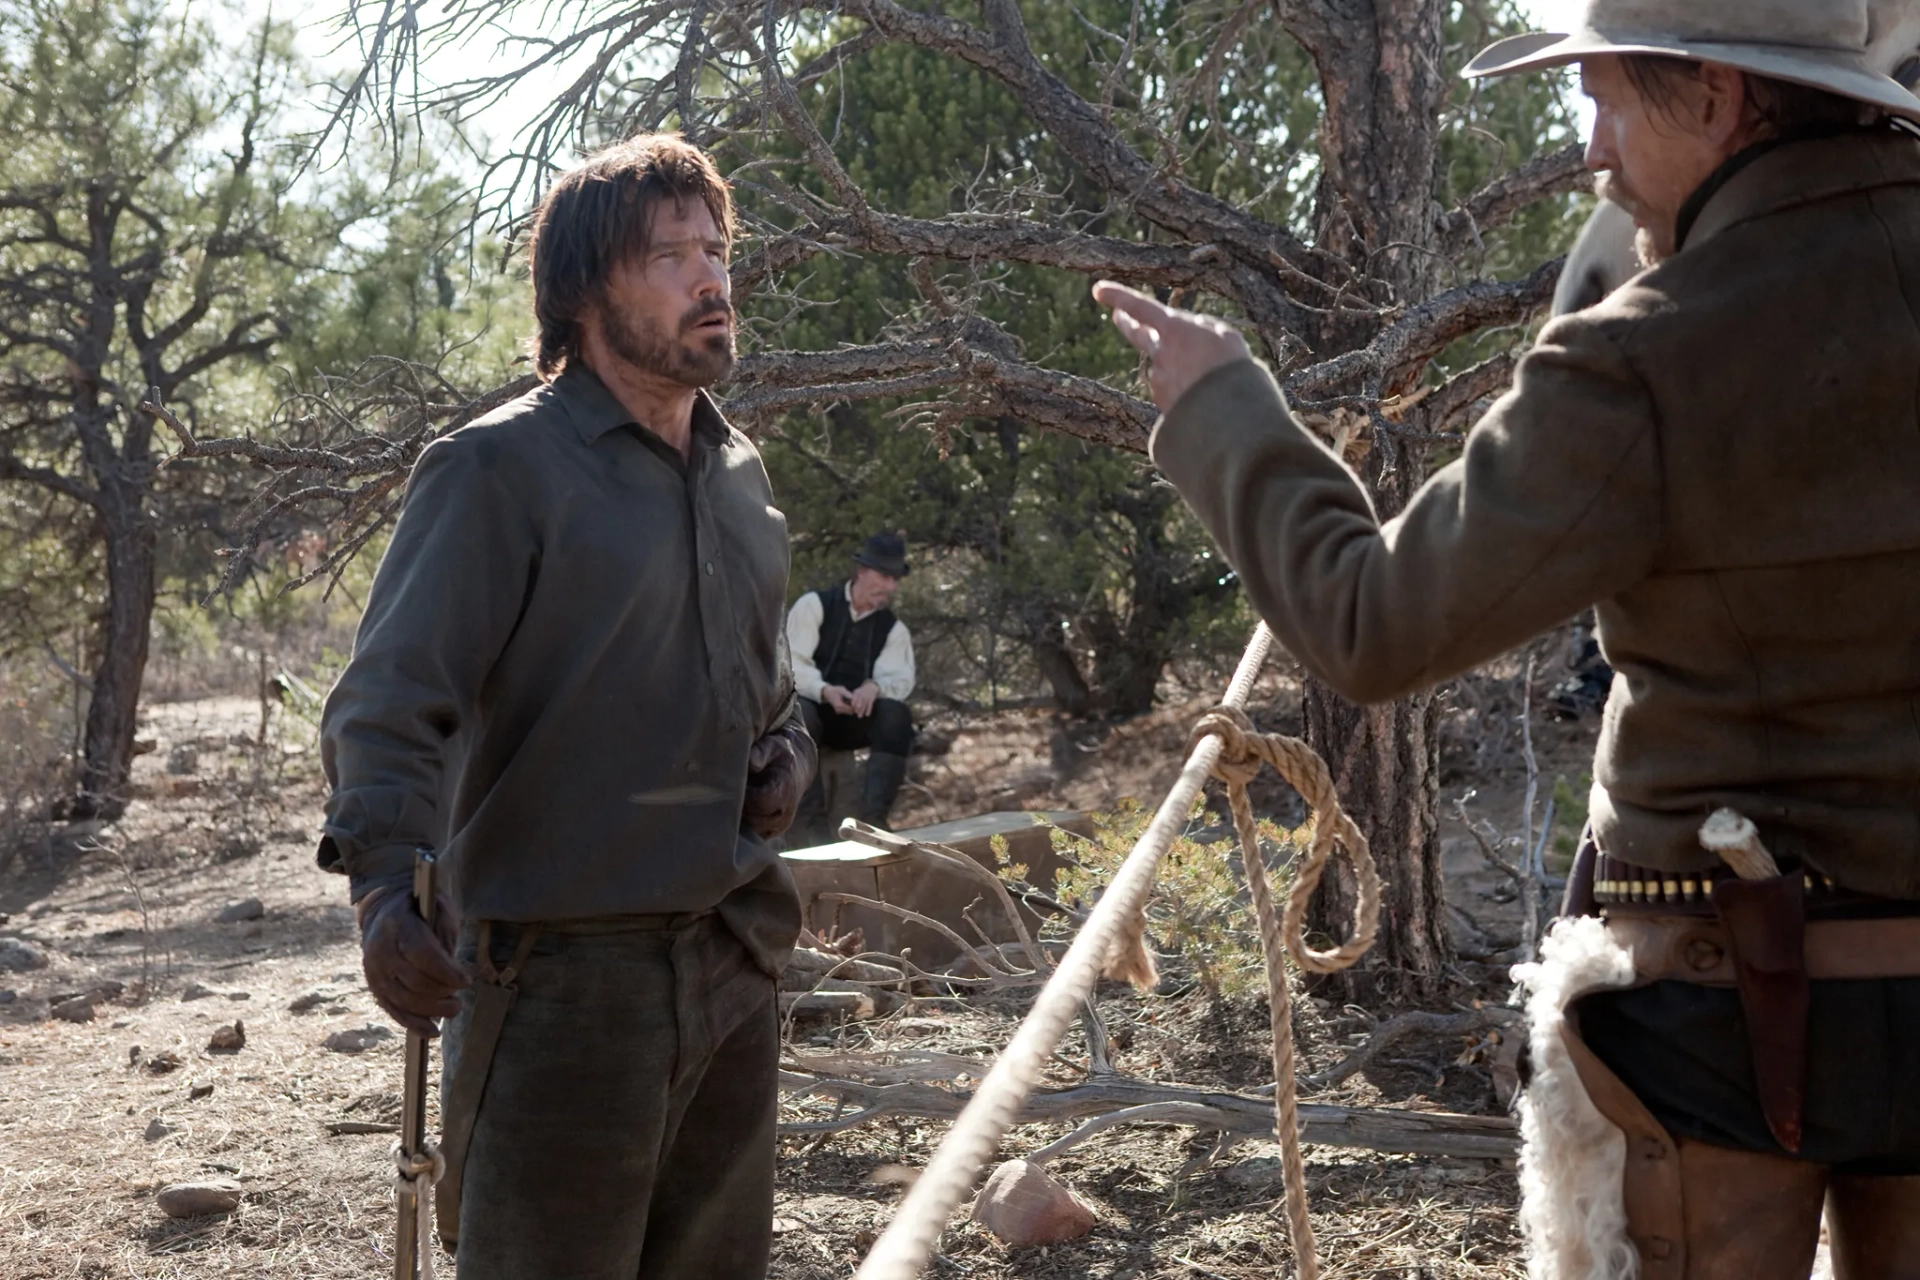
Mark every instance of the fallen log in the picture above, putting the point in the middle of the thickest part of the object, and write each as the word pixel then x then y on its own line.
pixel 808 966
pixel 827 1004
pixel 1384 1129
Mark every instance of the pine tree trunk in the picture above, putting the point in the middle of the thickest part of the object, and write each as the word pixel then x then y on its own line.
pixel 1385 762
pixel 1380 140
pixel 113 712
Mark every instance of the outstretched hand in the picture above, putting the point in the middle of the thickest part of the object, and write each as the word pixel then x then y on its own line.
pixel 1181 347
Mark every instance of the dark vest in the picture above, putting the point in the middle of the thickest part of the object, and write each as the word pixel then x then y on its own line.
pixel 848 649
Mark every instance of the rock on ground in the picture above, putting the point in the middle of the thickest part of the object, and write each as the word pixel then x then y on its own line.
pixel 246 909
pixel 356 1039
pixel 17 955
pixel 73 1009
pixel 157 1129
pixel 193 1199
pixel 228 1039
pixel 1023 1206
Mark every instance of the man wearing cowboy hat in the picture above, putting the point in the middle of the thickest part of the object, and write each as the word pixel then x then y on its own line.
pixel 853 669
pixel 1721 459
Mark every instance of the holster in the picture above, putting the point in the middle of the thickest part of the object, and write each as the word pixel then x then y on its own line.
pixel 1766 925
pixel 493 997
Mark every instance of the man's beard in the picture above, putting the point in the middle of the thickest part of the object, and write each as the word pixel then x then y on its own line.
pixel 646 347
pixel 1608 186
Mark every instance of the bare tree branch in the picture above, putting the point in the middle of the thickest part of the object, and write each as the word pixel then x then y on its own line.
pixel 1556 173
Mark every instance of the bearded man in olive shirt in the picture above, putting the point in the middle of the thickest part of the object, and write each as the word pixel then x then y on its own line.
pixel 575 639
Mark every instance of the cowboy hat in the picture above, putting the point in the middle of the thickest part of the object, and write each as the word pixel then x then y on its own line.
pixel 886 552
pixel 1826 44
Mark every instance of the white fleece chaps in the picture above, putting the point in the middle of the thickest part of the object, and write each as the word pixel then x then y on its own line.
pixel 1572 1159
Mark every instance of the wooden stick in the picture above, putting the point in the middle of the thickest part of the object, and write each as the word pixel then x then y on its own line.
pixel 413 1115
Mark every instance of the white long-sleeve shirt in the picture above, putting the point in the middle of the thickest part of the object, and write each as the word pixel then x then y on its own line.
pixel 892 670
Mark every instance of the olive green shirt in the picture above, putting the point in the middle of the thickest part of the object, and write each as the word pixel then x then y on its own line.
pixel 1723 458
pixel 571 644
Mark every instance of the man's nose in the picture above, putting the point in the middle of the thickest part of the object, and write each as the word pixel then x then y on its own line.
pixel 1600 154
pixel 713 279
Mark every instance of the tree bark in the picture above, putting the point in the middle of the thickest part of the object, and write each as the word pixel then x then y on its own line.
pixel 1380 139
pixel 113 712
pixel 1386 764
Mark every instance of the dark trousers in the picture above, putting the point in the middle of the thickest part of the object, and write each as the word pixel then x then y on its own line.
pixel 626 1131
pixel 889 728
pixel 1683 1049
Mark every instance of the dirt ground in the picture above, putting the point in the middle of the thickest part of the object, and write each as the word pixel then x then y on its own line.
pixel 96 1116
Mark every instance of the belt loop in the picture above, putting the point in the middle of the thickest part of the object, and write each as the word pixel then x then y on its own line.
pixel 529 934
pixel 483 951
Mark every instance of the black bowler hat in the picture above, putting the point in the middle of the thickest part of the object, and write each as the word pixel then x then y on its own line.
pixel 887 552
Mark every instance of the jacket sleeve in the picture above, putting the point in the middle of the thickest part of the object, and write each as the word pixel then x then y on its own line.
pixel 1555 503
pixel 803 637
pixel 442 607
pixel 893 669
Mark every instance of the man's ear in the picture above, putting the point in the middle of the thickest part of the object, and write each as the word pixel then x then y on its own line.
pixel 1723 113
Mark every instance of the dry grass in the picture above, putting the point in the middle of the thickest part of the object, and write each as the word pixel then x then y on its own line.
pixel 136 905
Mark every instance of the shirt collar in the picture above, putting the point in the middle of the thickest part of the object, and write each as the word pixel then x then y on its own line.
pixel 594 410
pixel 1804 171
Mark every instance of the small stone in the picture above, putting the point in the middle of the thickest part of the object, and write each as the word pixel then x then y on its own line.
pixel 199 1091
pixel 73 1009
pixel 1023 1206
pixel 198 992
pixel 162 1062
pixel 248 909
pixel 157 1129
pixel 356 1039
pixel 228 1039
pixel 8 995
pixel 1255 1172
pixel 17 955
pixel 310 1001
pixel 239 995
pixel 196 1199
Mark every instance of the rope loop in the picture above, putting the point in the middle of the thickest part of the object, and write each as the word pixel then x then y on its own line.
pixel 1243 749
pixel 416 1172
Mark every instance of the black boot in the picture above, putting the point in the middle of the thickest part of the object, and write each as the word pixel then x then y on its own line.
pixel 885 773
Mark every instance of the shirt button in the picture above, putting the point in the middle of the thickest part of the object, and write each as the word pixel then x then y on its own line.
pixel 709 568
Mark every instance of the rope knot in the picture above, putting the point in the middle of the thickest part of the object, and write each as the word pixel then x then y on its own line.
pixel 427 1162
pixel 1239 762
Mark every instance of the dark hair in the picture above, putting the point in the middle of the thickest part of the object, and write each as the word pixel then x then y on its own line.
pixel 600 215
pixel 1783 106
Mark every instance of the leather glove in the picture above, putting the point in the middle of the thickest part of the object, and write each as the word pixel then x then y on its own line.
pixel 779 767
pixel 409 964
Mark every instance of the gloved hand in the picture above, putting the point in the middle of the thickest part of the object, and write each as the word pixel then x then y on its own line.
pixel 409 964
pixel 779 767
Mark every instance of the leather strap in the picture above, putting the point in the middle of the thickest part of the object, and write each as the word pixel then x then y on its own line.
pixel 1691 949
pixel 493 996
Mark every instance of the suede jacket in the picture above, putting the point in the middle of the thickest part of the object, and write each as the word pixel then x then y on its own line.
pixel 1723 457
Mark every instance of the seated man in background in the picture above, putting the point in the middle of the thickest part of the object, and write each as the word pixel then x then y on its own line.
pixel 853 670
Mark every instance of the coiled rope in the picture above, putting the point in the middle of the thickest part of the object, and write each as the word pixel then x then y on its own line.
pixel 1224 745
